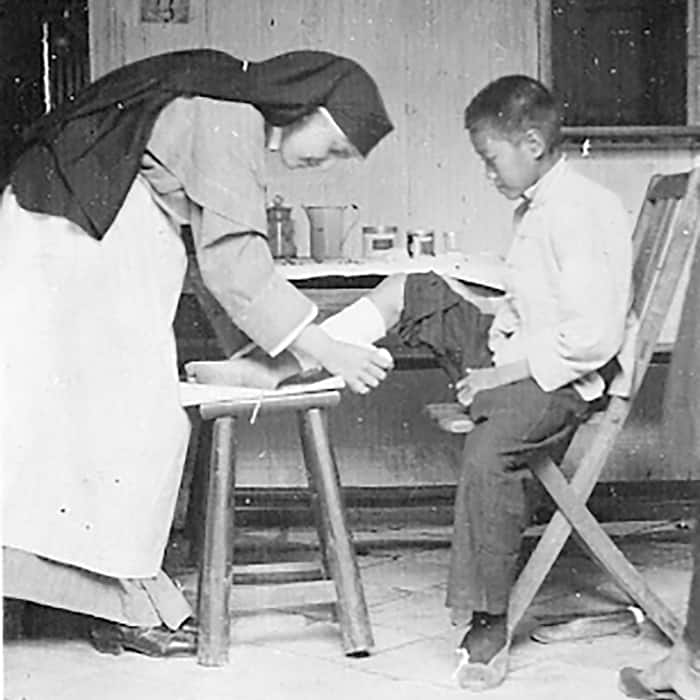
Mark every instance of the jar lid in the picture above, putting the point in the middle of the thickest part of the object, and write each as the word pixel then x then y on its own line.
pixel 392 230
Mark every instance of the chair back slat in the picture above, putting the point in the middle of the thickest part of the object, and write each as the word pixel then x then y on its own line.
pixel 649 246
pixel 669 186
pixel 662 202
pixel 658 280
pixel 646 211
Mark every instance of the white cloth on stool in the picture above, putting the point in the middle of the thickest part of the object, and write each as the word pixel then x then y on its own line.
pixel 93 436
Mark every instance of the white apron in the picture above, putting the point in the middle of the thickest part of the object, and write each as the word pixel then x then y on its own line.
pixel 92 436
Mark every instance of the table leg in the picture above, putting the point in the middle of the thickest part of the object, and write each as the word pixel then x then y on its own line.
pixel 339 553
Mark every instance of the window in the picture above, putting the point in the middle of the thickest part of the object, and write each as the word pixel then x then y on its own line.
pixel 622 63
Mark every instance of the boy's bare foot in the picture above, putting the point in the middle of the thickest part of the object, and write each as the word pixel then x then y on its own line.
pixel 258 372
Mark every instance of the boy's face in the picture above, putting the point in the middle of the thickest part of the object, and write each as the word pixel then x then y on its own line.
pixel 511 166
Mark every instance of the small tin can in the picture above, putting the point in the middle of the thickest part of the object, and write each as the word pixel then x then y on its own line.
pixel 450 242
pixel 420 242
pixel 378 240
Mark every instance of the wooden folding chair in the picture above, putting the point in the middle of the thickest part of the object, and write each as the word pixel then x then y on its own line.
pixel 668 224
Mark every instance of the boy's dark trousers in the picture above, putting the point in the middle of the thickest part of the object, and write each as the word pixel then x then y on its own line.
pixel 513 423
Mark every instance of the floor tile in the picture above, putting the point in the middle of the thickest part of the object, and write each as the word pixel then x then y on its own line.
pixel 292 655
pixel 422 613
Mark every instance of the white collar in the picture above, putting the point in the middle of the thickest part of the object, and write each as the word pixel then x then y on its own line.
pixel 275 138
pixel 539 188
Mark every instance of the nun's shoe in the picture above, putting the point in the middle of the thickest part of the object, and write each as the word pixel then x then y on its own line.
pixel 160 642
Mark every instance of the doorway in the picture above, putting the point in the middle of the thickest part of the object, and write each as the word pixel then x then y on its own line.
pixel 45 60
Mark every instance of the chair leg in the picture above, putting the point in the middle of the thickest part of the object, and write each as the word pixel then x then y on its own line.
pixel 604 551
pixel 335 539
pixel 215 573
pixel 537 567
pixel 558 529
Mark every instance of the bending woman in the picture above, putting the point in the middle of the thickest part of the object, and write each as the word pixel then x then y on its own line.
pixel 91 269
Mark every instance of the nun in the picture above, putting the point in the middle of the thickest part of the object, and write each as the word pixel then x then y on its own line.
pixel 92 434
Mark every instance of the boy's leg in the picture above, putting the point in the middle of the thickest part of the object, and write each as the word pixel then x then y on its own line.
pixel 426 310
pixel 362 323
pixel 513 423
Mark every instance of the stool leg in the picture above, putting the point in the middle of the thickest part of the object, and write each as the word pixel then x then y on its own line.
pixel 339 553
pixel 196 503
pixel 215 573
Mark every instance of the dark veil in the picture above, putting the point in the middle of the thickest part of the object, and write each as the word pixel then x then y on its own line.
pixel 80 159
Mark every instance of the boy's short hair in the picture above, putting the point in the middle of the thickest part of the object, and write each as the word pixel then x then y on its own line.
pixel 513 104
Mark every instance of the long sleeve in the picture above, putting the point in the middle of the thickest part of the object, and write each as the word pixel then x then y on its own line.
pixel 205 165
pixel 239 271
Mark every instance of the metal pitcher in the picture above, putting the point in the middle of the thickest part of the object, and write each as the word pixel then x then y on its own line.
pixel 327 230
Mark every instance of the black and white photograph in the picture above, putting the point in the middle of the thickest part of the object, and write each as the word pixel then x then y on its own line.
pixel 350 349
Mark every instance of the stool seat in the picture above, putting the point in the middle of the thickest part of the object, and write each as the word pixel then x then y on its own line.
pixel 288 584
pixel 269 403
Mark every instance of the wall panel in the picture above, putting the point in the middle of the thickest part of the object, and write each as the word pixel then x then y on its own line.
pixel 428 56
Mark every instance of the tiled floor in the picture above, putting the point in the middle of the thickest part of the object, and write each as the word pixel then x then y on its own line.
pixel 277 655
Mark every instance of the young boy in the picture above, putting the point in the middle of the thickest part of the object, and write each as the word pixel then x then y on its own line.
pixel 529 365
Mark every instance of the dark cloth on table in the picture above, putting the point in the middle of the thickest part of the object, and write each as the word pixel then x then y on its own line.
pixel 80 159
pixel 513 424
pixel 439 320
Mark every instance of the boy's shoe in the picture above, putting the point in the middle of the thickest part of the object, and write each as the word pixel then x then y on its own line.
pixel 484 652
pixel 477 676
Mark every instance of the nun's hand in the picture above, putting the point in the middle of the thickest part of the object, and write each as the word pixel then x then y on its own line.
pixel 362 367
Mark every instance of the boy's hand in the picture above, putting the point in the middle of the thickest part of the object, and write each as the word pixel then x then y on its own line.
pixel 362 368
pixel 474 381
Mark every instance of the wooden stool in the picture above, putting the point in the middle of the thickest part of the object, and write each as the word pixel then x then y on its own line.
pixel 217 596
